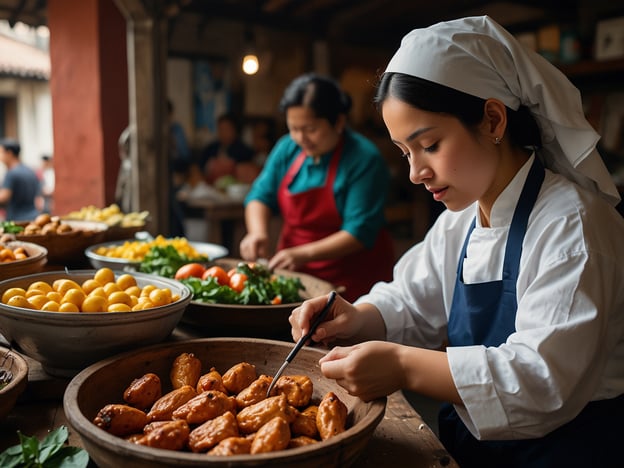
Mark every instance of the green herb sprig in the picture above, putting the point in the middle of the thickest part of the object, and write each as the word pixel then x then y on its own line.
pixel 52 452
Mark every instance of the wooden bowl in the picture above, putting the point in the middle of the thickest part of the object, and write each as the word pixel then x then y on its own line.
pixel 37 258
pixel 15 363
pixel 104 383
pixel 255 321
pixel 68 248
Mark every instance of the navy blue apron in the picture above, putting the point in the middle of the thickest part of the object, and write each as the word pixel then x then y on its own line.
pixel 484 313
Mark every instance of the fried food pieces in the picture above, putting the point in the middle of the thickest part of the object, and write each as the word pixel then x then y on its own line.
pixel 222 414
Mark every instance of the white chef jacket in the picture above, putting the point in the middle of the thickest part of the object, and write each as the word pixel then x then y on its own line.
pixel 568 348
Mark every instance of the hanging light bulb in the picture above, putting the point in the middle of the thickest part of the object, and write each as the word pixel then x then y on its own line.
pixel 250 64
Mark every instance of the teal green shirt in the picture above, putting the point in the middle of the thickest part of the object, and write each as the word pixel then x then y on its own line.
pixel 360 188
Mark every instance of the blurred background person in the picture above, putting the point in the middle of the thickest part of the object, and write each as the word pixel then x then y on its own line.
pixel 179 163
pixel 21 189
pixel 221 157
pixel 47 180
pixel 329 184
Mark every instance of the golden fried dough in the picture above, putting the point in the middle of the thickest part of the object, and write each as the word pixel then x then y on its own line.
pixel 239 376
pixel 209 434
pixel 205 406
pixel 254 393
pixel 185 370
pixel 165 406
pixel 121 420
pixel 297 388
pixel 253 417
pixel 331 418
pixel 305 423
pixel 170 435
pixel 211 381
pixel 143 392
pixel 301 441
pixel 272 436
pixel 232 446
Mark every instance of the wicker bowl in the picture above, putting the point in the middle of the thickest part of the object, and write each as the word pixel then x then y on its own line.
pixel 37 258
pixel 66 342
pixel 17 365
pixel 105 381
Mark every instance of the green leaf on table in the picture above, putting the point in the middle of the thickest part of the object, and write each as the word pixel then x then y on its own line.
pixel 49 453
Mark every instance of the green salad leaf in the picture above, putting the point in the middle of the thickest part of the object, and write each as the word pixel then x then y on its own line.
pixel 10 227
pixel 261 288
pixel 51 452
pixel 165 261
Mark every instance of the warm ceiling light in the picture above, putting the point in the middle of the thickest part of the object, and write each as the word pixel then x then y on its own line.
pixel 250 64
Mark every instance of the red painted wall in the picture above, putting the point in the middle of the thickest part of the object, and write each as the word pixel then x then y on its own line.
pixel 89 88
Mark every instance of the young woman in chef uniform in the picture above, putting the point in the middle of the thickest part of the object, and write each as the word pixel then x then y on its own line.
pixel 329 184
pixel 512 307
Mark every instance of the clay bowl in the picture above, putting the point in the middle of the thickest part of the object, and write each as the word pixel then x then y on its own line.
pixel 255 321
pixel 37 258
pixel 12 361
pixel 105 381
pixel 65 343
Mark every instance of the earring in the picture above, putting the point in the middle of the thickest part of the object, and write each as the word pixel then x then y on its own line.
pixel 497 141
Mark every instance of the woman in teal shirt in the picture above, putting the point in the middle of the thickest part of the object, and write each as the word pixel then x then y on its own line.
pixel 329 183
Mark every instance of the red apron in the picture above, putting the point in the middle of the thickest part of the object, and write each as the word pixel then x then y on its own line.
pixel 312 215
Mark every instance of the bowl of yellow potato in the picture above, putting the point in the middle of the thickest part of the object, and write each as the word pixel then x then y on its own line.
pixel 68 320
pixel 203 402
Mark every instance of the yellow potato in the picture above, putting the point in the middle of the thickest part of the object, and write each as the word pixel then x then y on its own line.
pixel 133 291
pixel 126 281
pixel 40 286
pixel 119 297
pixel 51 306
pixel 63 285
pixel 20 301
pixel 68 307
pixel 159 297
pixel 119 308
pixel 75 296
pixel 89 285
pixel 110 288
pixel 54 296
pixel 104 275
pixel 38 300
pixel 95 303
pixel 9 293
pixel 99 291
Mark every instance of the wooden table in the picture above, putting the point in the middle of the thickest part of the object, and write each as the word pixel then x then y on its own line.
pixel 402 438
pixel 216 213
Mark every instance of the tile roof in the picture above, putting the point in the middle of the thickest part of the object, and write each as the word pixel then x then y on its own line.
pixel 23 60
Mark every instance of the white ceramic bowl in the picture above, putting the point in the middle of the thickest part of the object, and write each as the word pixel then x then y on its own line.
pixel 104 383
pixel 66 343
pixel 212 251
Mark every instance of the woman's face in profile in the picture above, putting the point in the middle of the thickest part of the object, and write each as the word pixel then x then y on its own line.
pixel 314 135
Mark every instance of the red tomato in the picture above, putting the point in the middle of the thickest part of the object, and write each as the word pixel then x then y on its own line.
pixel 237 281
pixel 276 300
pixel 190 269
pixel 219 273
pixel 231 272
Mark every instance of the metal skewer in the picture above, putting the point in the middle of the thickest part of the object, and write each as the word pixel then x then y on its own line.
pixel 302 341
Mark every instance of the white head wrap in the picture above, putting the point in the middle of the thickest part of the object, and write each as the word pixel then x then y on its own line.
pixel 479 57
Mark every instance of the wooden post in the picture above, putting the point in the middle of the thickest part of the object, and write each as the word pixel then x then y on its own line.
pixel 149 149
